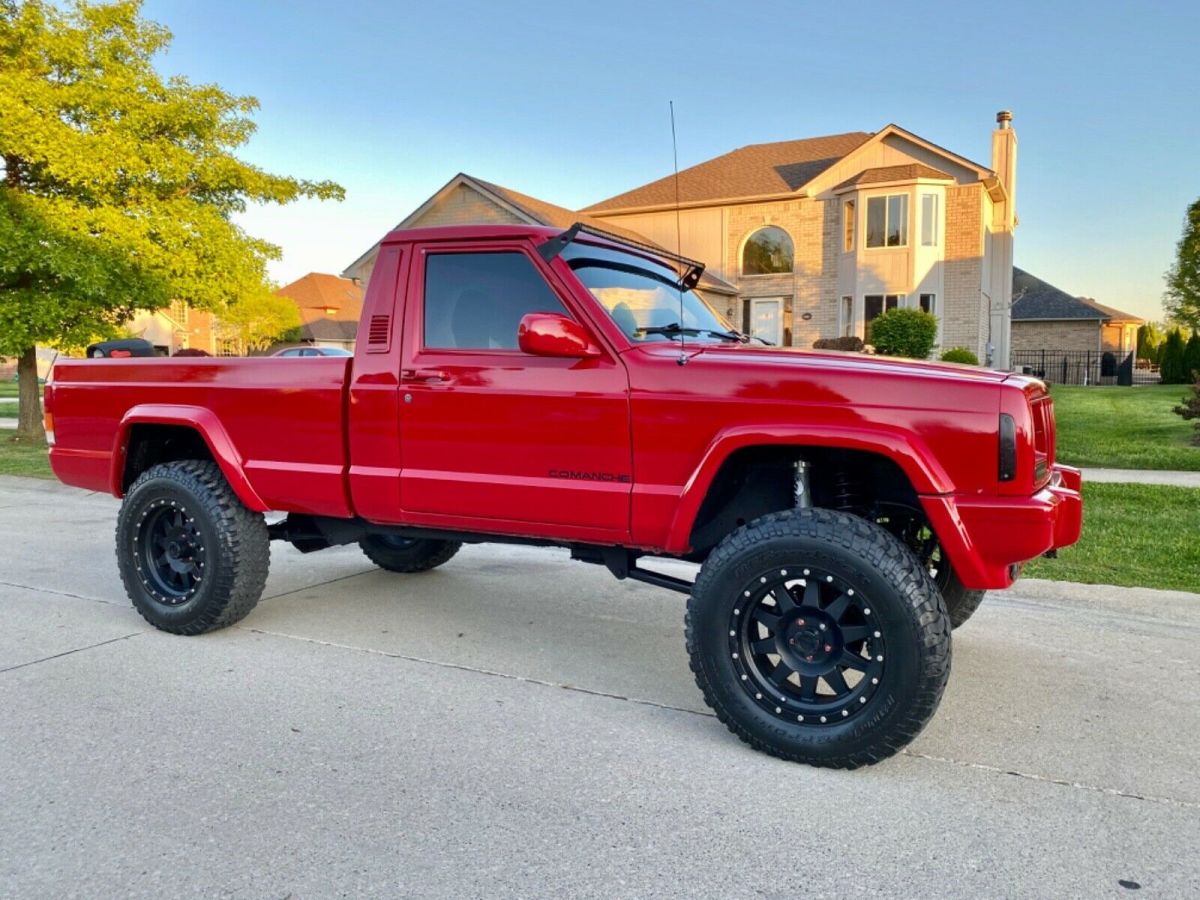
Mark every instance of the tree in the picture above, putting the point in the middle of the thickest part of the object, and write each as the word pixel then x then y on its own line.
pixel 1182 298
pixel 1171 366
pixel 258 320
pixel 1149 338
pixel 119 186
pixel 1191 358
pixel 904 332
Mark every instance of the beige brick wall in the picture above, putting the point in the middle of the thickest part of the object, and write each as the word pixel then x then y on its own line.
pixel 812 287
pixel 964 320
pixel 1028 336
pixel 465 206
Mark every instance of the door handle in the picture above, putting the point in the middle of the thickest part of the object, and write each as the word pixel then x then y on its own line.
pixel 423 376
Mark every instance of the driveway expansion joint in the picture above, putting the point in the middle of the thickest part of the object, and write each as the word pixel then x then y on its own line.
pixel 34 662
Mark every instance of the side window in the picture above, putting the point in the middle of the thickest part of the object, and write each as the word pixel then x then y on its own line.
pixel 476 300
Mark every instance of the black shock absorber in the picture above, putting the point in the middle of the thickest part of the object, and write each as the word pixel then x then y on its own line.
pixel 848 493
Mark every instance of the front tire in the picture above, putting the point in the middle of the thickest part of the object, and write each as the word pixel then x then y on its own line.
pixel 192 557
pixel 400 554
pixel 817 637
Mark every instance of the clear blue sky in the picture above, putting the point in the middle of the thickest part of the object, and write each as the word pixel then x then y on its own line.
pixel 568 102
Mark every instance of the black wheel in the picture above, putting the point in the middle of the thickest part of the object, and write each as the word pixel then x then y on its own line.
pixel 817 637
pixel 192 557
pixel 914 532
pixel 401 554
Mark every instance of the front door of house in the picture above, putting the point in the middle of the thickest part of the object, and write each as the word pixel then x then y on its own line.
pixel 766 319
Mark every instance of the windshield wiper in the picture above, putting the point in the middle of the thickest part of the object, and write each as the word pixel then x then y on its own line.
pixel 676 329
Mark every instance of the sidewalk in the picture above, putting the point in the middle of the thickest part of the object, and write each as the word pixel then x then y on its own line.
pixel 8 423
pixel 1142 476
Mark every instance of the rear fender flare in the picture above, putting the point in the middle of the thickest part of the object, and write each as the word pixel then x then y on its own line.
pixel 202 421
pixel 903 448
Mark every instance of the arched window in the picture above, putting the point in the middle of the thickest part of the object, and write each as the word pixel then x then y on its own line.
pixel 767 252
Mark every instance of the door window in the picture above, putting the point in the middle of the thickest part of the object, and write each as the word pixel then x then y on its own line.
pixel 475 301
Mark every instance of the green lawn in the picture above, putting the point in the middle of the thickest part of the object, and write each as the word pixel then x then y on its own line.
pixel 22 459
pixel 1137 535
pixel 1124 427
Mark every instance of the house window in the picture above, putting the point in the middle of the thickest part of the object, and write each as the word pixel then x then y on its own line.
pixel 847 317
pixel 768 251
pixel 887 221
pixel 929 220
pixel 848 226
pixel 929 303
pixel 874 306
pixel 179 311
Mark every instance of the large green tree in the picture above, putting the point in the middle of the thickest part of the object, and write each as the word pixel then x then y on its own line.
pixel 119 186
pixel 258 320
pixel 1183 278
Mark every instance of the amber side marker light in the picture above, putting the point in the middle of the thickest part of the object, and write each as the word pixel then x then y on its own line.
pixel 48 424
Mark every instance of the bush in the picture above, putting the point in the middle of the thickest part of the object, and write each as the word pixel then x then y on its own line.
pixel 904 332
pixel 853 344
pixel 960 355
pixel 1190 409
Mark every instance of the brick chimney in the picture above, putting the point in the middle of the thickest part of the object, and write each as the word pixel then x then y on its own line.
pixel 1004 160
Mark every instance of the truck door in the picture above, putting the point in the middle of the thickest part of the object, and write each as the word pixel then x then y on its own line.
pixel 493 439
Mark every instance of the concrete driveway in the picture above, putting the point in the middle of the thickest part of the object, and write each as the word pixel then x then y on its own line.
pixel 518 724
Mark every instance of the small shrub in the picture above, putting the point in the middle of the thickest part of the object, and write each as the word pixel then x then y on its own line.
pixel 960 355
pixel 1190 409
pixel 904 332
pixel 853 344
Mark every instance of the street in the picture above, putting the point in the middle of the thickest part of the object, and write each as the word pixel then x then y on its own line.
pixel 517 724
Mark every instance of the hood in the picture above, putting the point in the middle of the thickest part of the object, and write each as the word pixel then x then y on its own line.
pixel 793 358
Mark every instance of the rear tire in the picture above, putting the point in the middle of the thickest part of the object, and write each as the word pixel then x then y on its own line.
pixel 398 554
pixel 960 602
pixel 192 557
pixel 817 637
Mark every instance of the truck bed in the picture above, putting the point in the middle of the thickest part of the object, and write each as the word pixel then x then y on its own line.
pixel 286 418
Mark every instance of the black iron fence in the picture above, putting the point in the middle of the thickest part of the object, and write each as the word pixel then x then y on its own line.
pixel 1085 367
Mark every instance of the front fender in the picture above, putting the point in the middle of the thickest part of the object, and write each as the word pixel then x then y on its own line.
pixel 206 424
pixel 903 448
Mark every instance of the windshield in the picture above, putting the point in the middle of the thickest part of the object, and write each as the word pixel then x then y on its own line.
pixel 640 294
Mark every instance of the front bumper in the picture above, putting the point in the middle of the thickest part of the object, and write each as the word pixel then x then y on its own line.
pixel 988 538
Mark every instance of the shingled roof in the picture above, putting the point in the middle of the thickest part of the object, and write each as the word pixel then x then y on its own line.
pixel 886 174
pixel 757 170
pixel 560 217
pixel 1034 300
pixel 329 306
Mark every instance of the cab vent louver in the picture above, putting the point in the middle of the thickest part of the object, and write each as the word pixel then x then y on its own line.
pixel 378 333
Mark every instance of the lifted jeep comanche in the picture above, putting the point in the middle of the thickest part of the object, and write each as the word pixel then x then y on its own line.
pixel 524 385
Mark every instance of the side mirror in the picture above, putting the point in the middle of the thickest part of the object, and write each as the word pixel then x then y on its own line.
pixel 549 334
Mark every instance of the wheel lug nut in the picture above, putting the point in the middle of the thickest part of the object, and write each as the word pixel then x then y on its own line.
pixel 822 626
pixel 828 648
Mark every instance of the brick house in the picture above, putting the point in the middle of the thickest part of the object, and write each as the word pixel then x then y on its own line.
pixel 815 237
pixel 1046 318
pixel 177 327
pixel 329 308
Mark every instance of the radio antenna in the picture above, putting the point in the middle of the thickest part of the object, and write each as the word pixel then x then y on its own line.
pixel 678 238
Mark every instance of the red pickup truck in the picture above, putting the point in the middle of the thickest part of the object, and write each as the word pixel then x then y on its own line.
pixel 519 384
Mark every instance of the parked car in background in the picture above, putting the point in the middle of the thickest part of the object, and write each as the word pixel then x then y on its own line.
pixel 312 351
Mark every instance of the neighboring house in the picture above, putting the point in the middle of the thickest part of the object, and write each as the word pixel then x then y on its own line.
pixel 1047 318
pixel 329 308
pixel 812 238
pixel 177 327
pixel 466 200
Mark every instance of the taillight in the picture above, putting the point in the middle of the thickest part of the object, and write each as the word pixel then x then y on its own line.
pixel 1043 438
pixel 1008 447
pixel 48 424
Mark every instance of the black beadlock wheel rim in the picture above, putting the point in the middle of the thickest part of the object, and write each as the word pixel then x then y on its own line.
pixel 806 646
pixel 169 552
